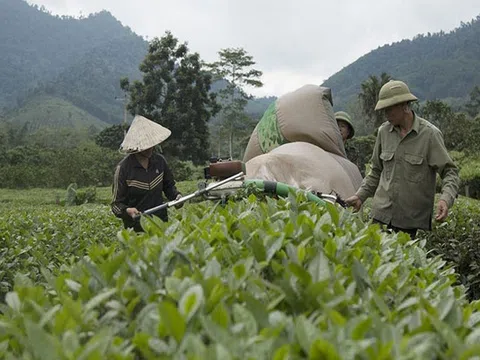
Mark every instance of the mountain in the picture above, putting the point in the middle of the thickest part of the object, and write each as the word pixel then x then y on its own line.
pixel 435 66
pixel 79 60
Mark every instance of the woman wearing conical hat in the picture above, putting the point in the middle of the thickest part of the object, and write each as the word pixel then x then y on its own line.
pixel 142 176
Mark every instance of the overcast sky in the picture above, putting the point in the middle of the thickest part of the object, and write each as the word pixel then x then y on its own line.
pixel 294 42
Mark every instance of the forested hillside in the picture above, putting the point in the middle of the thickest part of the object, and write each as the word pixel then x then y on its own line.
pixel 436 66
pixel 53 112
pixel 80 60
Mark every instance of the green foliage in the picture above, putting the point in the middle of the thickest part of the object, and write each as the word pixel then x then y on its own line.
pixel 92 83
pixel 32 197
pixel 175 93
pixel 368 96
pixel 362 126
pixel 77 59
pixel 43 111
pixel 473 105
pixel 49 238
pixel 458 241
pixel 31 166
pixel 185 170
pixel 234 66
pixel 14 135
pixel 79 197
pixel 438 113
pixel 111 137
pixel 221 141
pixel 359 151
pixel 469 173
pixel 255 279
pixel 460 132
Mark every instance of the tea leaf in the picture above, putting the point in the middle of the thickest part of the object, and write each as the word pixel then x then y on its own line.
pixel 191 300
pixel 172 320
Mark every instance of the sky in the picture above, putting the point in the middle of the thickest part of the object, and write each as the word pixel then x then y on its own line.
pixel 293 42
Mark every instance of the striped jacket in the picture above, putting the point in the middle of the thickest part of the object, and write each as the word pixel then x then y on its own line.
pixel 135 186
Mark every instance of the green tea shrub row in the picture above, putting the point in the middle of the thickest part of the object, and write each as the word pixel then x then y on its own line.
pixel 50 237
pixel 272 279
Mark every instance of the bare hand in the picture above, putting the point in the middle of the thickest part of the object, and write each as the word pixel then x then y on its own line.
pixel 442 211
pixel 179 196
pixel 132 212
pixel 355 202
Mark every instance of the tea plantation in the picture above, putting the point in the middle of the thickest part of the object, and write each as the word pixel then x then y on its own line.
pixel 257 278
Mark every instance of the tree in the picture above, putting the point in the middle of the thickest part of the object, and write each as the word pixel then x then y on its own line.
pixel 234 66
pixel 111 137
pixel 438 113
pixel 459 131
pixel 175 93
pixel 473 106
pixel 369 97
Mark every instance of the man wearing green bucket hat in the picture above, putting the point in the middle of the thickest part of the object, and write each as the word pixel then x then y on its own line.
pixel 345 125
pixel 408 153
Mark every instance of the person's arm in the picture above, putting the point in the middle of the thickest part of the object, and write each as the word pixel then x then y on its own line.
pixel 442 163
pixel 370 182
pixel 119 192
pixel 169 188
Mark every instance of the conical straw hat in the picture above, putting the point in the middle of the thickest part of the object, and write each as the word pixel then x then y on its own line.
pixel 142 135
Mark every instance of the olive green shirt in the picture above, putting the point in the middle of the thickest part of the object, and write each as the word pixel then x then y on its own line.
pixel 403 175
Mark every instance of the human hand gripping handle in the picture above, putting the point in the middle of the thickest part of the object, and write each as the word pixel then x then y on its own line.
pixel 179 205
pixel 355 202
pixel 442 211
pixel 133 212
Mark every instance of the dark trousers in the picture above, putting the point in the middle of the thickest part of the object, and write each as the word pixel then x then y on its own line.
pixel 411 232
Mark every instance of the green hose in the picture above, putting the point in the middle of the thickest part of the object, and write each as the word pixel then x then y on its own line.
pixel 280 189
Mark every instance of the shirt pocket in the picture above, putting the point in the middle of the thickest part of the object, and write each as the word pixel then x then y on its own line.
pixel 387 162
pixel 414 171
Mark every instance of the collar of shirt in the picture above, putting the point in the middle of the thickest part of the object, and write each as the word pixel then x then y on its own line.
pixel 415 125
pixel 154 159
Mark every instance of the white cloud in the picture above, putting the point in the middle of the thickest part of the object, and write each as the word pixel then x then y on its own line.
pixel 293 41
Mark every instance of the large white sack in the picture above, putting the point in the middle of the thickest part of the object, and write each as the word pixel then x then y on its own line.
pixel 308 167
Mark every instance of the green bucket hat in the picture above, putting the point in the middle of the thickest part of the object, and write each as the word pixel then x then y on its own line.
pixel 342 115
pixel 392 93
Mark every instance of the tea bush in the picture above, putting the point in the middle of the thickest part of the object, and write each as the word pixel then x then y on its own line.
pixel 185 170
pixel 50 237
pixel 458 241
pixel 74 196
pixel 272 279
pixel 470 177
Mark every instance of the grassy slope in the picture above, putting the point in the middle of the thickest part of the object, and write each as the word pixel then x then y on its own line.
pixel 47 111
